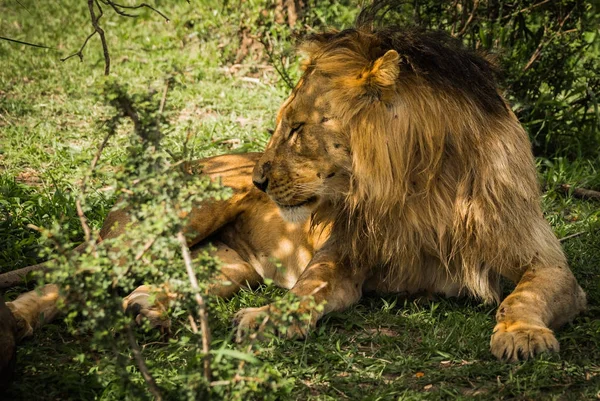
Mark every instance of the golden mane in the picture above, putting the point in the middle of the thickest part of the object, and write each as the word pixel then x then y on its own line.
pixel 442 170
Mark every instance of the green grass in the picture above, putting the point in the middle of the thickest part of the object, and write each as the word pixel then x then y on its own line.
pixel 382 348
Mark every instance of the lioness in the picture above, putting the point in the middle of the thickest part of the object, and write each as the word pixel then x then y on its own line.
pixel 248 233
pixel 395 166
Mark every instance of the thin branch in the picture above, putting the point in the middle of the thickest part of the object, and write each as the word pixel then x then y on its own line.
pixel 470 19
pixel 87 232
pixel 163 100
pixel 97 155
pixel 282 73
pixel 80 52
pixel 95 18
pixel 21 4
pixel 24 43
pixel 137 355
pixel 538 51
pixel 582 193
pixel 147 246
pixel 526 9
pixel 116 7
pixel 200 301
pixel 100 33
pixel 568 237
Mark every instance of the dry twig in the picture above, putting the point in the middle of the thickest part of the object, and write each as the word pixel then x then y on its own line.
pixel 24 43
pixel 538 51
pixel 469 20
pixel 95 18
pixel 137 355
pixel 117 8
pixel 281 71
pixel 568 237
pixel 582 193
pixel 86 228
pixel 187 259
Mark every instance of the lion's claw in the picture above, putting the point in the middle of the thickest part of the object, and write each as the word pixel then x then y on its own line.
pixel 521 341
pixel 139 304
pixel 248 321
pixel 252 320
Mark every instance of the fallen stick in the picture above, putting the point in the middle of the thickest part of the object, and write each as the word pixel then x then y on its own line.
pixel 581 193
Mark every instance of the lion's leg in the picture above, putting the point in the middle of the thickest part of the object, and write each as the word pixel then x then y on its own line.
pixel 34 308
pixel 544 299
pixel 152 303
pixel 326 282
pixel 235 273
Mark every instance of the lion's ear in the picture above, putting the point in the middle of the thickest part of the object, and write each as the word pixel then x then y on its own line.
pixel 377 80
pixel 385 70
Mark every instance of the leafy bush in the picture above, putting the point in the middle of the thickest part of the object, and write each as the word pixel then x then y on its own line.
pixel 152 251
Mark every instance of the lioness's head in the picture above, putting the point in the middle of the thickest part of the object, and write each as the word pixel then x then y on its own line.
pixel 308 158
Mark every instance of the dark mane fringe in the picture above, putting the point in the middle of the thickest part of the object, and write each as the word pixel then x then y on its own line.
pixel 443 186
pixel 440 59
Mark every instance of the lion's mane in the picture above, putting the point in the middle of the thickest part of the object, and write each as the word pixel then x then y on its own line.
pixel 443 178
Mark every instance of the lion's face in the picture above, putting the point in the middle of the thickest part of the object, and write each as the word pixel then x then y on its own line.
pixel 307 159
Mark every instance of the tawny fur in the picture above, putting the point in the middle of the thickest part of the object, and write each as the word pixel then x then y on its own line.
pixel 440 192
pixel 417 177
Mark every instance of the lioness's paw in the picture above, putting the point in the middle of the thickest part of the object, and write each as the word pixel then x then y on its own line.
pixel 139 304
pixel 521 341
pixel 257 321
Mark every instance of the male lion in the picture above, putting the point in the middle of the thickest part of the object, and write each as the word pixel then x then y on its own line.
pixel 400 142
pixel 399 168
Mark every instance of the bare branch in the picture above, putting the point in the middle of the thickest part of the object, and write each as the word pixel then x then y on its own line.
pixel 538 51
pixel 582 193
pixel 577 234
pixel 21 4
pixel 116 7
pixel 147 246
pixel 521 11
pixel 80 52
pixel 163 100
pixel 187 259
pixel 282 72
pixel 24 43
pixel 95 18
pixel 469 20
pixel 139 359
pixel 86 228
pixel 100 33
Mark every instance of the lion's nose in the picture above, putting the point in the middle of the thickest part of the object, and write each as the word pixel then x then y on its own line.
pixel 260 179
pixel 261 185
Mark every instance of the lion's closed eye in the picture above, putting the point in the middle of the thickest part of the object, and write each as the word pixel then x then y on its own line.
pixel 296 128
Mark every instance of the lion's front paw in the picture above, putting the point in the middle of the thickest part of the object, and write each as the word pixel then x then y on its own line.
pixel 521 341
pixel 260 321
pixel 250 321
pixel 143 304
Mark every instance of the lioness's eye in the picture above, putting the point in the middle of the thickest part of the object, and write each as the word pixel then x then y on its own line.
pixel 324 120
